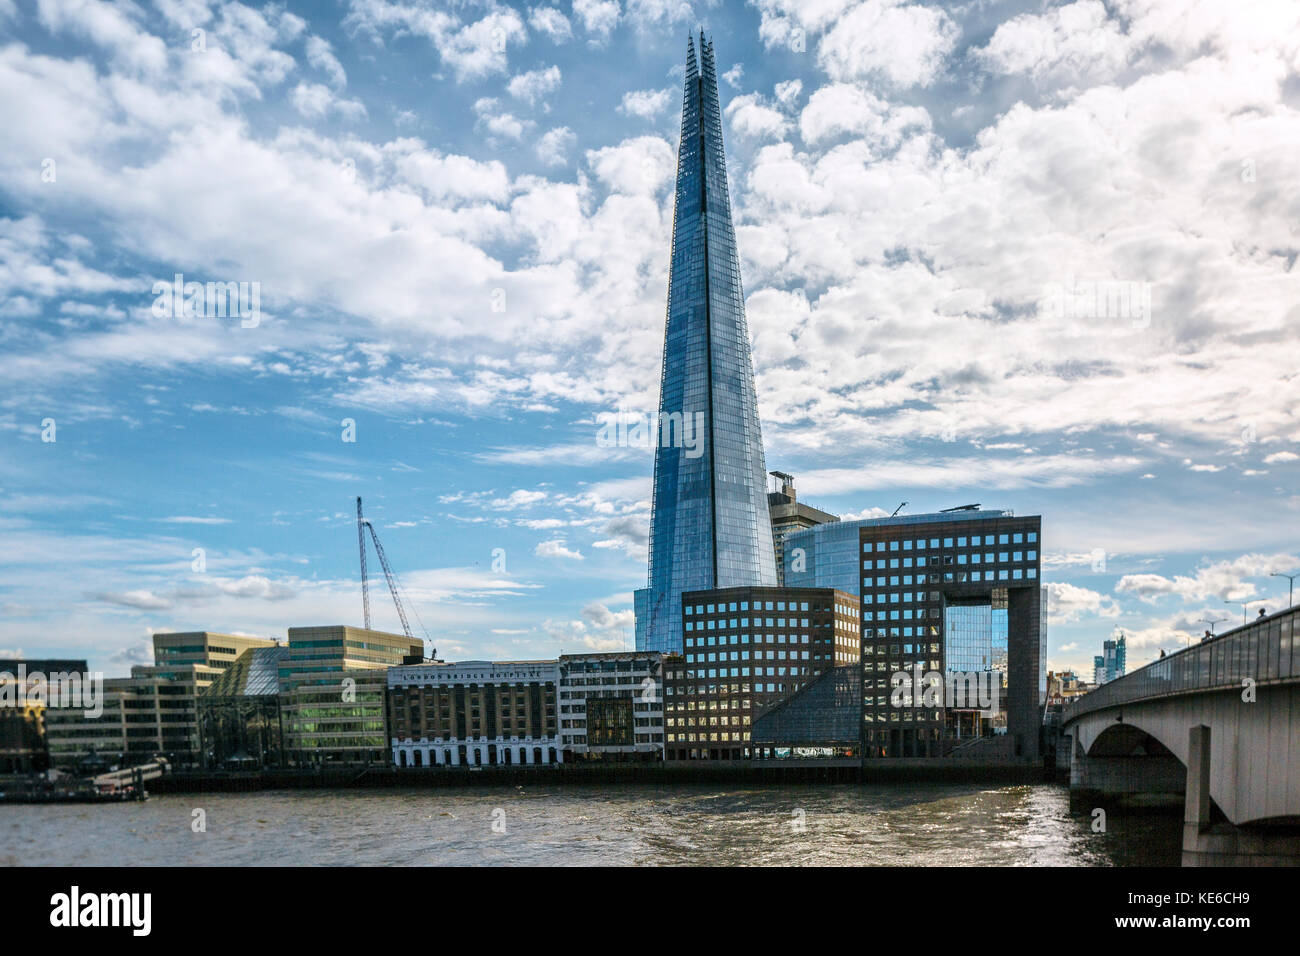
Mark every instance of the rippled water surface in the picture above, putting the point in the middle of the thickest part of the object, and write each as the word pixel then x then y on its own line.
pixel 847 824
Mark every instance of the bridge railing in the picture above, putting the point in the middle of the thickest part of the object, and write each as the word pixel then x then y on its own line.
pixel 1265 650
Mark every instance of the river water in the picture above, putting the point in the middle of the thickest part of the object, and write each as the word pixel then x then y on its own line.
pixel 848 824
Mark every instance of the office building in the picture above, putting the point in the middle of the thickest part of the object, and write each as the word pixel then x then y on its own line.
pixel 333 687
pixel 240 725
pixel 612 707
pixel 474 714
pixel 209 648
pixel 153 712
pixel 1113 660
pixel 955 594
pixel 745 649
pixel 710 526
pixel 26 691
pixel 788 516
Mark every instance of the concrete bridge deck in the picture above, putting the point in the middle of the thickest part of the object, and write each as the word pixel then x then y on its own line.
pixel 1219 723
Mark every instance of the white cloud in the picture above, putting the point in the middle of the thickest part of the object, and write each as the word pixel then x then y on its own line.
pixel 552 22
pixel 315 100
pixel 321 56
pixel 647 104
pixel 556 548
pixel 473 50
pixel 1224 580
pixel 842 108
pixel 534 85
pixel 1068 602
pixel 598 17
pixel 553 146
pixel 638 165
pixel 752 118
pixel 904 44
pixel 1070 41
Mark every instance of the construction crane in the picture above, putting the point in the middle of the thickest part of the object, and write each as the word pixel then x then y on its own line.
pixel 365 582
pixel 394 587
pixel 898 509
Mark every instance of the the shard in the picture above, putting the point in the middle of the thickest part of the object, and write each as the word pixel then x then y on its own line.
pixel 709 526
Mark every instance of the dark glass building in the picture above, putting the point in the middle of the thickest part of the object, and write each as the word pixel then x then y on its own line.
pixel 710 526
pixel 746 649
pixel 954 595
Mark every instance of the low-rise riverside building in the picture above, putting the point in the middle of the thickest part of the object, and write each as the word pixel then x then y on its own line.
pixel 744 650
pixel 474 714
pixel 26 687
pixel 612 706
pixel 152 713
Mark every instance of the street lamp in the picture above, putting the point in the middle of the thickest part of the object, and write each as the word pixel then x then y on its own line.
pixel 1244 606
pixel 1211 621
pixel 1291 584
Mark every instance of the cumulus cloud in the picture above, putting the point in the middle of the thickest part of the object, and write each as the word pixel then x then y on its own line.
pixel 315 100
pixel 598 629
pixel 598 17
pixel 535 85
pixel 556 548
pixel 646 104
pixel 1227 580
pixel 551 22
pixel 1069 602
pixel 553 146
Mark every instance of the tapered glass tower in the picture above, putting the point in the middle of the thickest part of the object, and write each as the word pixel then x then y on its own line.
pixel 709 526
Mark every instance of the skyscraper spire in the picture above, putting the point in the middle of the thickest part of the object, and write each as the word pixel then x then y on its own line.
pixel 709 525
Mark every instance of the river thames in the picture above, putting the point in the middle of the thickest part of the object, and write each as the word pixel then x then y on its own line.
pixel 621 825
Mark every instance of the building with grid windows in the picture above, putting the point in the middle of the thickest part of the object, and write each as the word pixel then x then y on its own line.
pixel 152 713
pixel 332 693
pixel 612 706
pixel 745 649
pixel 951 606
pixel 474 714
pixel 710 526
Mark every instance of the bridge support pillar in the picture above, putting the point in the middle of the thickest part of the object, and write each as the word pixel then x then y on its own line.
pixel 1222 844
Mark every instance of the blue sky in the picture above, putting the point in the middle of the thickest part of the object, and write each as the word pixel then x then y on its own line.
pixel 458 218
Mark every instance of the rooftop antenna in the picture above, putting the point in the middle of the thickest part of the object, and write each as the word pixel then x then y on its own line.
pixel 898 509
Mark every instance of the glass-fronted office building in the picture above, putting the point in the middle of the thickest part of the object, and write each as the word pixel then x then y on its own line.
pixel 953 598
pixel 710 526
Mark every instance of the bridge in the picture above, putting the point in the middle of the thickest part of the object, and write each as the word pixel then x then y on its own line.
pixel 1218 723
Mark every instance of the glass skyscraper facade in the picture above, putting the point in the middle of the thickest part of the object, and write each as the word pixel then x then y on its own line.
pixel 710 526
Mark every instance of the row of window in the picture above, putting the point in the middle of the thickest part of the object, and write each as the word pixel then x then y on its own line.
pixel 1002 557
pixel 697 609
pixel 957 577
pixel 724 639
pixel 975 541
pixel 721 624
